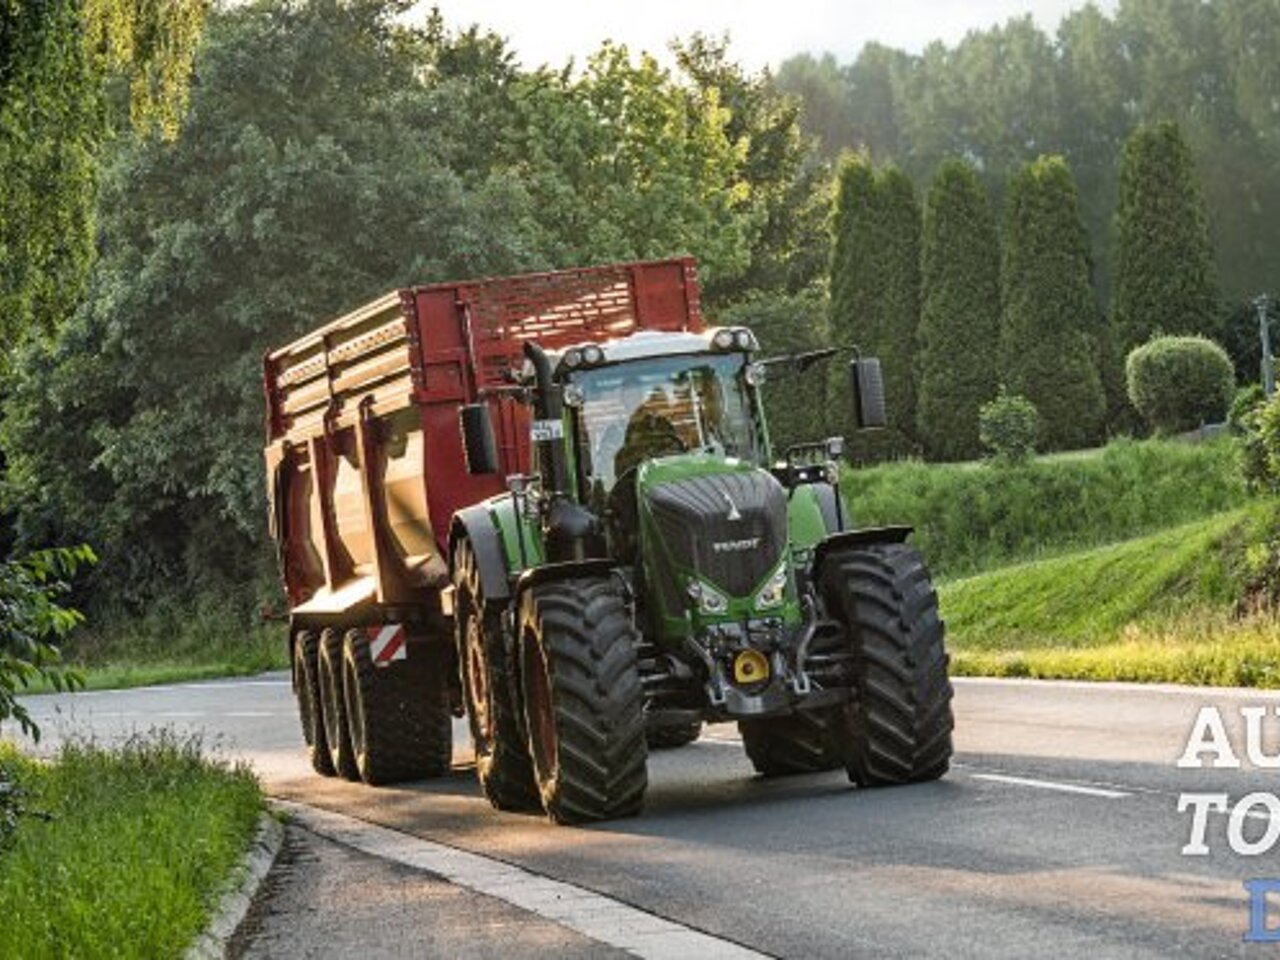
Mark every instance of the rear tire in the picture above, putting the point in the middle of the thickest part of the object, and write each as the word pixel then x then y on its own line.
pixel 898 729
pixel 502 756
pixel 306 681
pixel 583 700
pixel 333 706
pixel 804 742
pixel 670 738
pixel 398 715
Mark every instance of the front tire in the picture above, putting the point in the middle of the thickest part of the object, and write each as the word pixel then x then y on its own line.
pixel 583 700
pixel 898 729
pixel 398 715
pixel 333 706
pixel 503 765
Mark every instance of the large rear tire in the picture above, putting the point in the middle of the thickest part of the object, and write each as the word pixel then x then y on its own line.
pixel 333 706
pixel 898 729
pixel 398 715
pixel 583 699
pixel 306 682
pixel 805 742
pixel 503 765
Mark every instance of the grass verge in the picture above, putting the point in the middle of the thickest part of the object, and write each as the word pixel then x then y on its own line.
pixel 136 845
pixel 970 517
pixel 1156 608
pixel 183 638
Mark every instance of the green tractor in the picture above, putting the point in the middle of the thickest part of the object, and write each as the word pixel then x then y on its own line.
pixel 660 570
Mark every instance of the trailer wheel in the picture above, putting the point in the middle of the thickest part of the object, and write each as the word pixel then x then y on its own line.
pixel 804 742
pixel 583 699
pixel 898 729
pixel 398 715
pixel 333 706
pixel 306 682
pixel 502 758
pixel 672 737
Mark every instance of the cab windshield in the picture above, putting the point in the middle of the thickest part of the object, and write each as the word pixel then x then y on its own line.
pixel 642 409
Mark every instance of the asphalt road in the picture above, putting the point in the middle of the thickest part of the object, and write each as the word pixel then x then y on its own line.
pixel 1056 834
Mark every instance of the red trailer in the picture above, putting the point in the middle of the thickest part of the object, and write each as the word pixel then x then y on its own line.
pixel 366 470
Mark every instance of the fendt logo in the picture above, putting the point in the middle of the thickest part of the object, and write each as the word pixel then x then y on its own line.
pixel 735 546
pixel 733 509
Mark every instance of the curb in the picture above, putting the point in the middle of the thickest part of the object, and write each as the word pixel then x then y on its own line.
pixel 235 902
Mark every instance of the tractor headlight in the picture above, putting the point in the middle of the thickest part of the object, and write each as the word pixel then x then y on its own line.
pixel 708 599
pixel 723 339
pixel 756 374
pixel 572 358
pixel 591 355
pixel 572 395
pixel 774 589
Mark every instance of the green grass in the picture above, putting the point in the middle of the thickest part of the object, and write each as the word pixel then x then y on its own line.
pixel 138 843
pixel 970 517
pixel 190 638
pixel 1155 608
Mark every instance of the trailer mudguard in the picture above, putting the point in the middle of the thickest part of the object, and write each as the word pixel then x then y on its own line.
pixel 476 525
pixel 859 538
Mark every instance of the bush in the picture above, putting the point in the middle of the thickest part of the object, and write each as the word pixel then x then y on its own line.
pixel 1180 383
pixel 31 624
pixel 1247 400
pixel 1007 426
pixel 1269 435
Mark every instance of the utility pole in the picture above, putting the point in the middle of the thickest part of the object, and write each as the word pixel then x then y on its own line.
pixel 1262 302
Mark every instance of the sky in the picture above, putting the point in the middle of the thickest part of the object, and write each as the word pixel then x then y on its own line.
pixel 762 32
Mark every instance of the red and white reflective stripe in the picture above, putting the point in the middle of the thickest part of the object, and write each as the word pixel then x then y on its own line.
pixel 387 644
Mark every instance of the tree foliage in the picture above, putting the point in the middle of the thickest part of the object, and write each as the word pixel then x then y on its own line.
pixel 58 62
pixel 32 623
pixel 960 312
pixel 795 401
pixel 333 150
pixel 1050 322
pixel 1165 277
pixel 1001 96
pixel 875 290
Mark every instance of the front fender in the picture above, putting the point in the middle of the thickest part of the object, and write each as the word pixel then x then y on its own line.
pixel 859 538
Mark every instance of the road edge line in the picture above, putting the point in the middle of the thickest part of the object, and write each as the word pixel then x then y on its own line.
pixel 594 915
pixel 234 904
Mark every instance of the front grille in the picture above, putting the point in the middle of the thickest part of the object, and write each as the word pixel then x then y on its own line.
pixel 693 519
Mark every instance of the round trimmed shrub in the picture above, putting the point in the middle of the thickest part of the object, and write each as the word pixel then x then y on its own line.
pixel 1008 426
pixel 1179 383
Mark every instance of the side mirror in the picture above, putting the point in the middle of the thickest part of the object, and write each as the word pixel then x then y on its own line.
pixel 478 443
pixel 868 393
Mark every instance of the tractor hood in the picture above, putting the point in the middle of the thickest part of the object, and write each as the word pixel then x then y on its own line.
pixel 716 519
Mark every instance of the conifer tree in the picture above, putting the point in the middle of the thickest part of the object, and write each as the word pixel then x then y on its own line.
pixel 960 313
pixel 1049 322
pixel 875 293
pixel 1165 275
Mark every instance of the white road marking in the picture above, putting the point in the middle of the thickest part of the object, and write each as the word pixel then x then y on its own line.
pixel 1052 785
pixel 589 913
pixel 172 687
